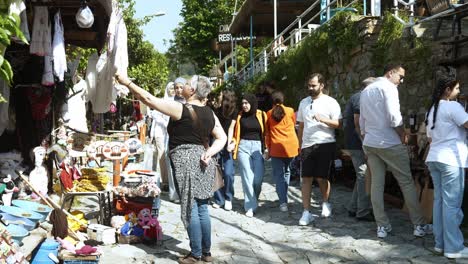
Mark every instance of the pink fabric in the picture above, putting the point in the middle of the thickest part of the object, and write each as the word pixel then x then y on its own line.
pixel 86 250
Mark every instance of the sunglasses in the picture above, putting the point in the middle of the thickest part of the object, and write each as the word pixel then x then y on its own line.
pixel 402 77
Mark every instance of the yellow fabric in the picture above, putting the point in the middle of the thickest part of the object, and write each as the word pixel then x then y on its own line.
pixel 71 240
pixel 262 119
pixel 73 224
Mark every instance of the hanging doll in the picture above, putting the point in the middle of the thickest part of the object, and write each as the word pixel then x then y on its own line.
pixel 7 188
pixel 38 177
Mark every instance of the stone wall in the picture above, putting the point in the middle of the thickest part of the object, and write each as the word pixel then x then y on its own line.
pixel 349 70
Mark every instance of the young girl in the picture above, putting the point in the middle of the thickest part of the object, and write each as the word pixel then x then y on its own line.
pixel 447 159
pixel 249 138
pixel 282 145
pixel 227 114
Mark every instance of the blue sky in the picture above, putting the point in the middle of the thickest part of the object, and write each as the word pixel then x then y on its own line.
pixel 159 28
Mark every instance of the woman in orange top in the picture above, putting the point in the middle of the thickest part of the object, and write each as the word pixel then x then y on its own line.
pixel 282 145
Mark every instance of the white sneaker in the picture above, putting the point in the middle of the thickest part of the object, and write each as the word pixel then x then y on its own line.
pixel 326 209
pixel 460 254
pixel 438 250
pixel 215 205
pixel 283 207
pixel 382 231
pixel 306 218
pixel 249 213
pixel 228 205
pixel 422 230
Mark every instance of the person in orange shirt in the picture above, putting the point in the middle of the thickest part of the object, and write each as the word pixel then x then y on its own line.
pixel 282 145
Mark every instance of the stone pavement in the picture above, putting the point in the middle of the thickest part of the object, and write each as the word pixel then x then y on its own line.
pixel 275 237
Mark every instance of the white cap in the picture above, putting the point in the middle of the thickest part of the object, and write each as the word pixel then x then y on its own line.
pixel 84 17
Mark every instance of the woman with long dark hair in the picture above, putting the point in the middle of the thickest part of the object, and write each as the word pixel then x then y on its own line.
pixel 227 117
pixel 249 136
pixel 282 145
pixel 447 159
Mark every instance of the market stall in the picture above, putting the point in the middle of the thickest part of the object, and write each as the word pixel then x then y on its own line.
pixel 55 148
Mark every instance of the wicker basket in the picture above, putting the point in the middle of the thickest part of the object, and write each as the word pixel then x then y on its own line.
pixel 437 6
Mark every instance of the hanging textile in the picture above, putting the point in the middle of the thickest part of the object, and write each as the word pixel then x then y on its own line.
pixel 41 31
pixel 91 78
pixel 48 76
pixel 114 60
pixel 58 50
pixel 74 110
pixel 41 43
pixel 17 7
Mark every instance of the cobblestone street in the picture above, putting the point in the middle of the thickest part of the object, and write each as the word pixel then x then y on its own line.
pixel 275 237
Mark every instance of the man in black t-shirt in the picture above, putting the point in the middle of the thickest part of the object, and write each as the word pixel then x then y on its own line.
pixel 360 205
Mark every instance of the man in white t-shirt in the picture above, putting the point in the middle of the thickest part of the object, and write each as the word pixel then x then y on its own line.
pixel 384 142
pixel 318 116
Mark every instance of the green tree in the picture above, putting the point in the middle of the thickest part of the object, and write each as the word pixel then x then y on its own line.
pixel 194 37
pixel 9 27
pixel 148 66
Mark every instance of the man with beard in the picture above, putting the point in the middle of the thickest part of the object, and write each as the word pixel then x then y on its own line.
pixel 318 116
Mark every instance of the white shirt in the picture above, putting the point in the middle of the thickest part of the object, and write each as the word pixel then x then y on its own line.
pixel 74 110
pixel 449 140
pixel 380 114
pixel 317 132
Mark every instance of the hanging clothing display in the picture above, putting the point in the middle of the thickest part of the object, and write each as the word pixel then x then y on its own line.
pixel 105 81
pixel 48 76
pixel 41 43
pixel 74 110
pixel 40 99
pixel 58 48
pixel 4 116
pixel 41 33
pixel 91 78
pixel 17 7
pixel 114 60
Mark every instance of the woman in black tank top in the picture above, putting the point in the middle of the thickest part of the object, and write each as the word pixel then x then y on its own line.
pixel 190 126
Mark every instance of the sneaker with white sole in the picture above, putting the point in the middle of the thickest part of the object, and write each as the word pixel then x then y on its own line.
pixel 249 213
pixel 382 231
pixel 326 209
pixel 228 205
pixel 422 230
pixel 460 254
pixel 216 206
pixel 438 250
pixel 283 207
pixel 306 218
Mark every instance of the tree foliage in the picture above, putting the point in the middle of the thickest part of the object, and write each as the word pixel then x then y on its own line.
pixel 147 66
pixel 9 27
pixel 195 35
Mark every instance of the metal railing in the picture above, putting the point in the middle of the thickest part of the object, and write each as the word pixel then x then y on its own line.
pixel 275 48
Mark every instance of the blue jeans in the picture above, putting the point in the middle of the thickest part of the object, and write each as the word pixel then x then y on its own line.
pixel 199 229
pixel 449 184
pixel 251 170
pixel 281 174
pixel 227 164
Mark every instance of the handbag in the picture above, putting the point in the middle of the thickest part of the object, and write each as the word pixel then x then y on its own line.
pixel 219 179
